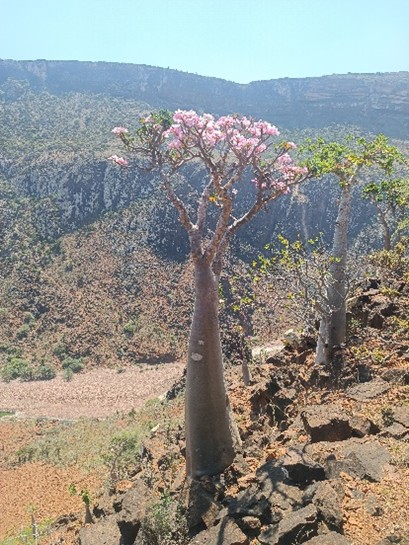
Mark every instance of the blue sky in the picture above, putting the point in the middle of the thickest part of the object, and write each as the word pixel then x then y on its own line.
pixel 239 40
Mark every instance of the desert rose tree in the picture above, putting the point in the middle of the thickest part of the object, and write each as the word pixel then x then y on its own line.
pixel 230 148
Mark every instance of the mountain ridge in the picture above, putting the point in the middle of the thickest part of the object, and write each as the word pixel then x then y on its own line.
pixel 377 102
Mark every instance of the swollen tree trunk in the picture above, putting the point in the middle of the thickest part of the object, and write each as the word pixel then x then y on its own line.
pixel 209 443
pixel 333 327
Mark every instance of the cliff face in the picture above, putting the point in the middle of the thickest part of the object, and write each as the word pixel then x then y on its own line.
pixel 376 102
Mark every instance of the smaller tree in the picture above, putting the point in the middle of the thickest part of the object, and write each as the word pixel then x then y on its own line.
pixel 346 161
pixel 390 198
pixel 300 272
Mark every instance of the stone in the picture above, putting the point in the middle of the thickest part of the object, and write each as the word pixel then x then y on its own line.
pixel 395 430
pixel 105 532
pixel 202 507
pixel 364 461
pixel 267 351
pixel 396 375
pixel 388 309
pixel 368 390
pixel 401 415
pixel 291 338
pixel 293 527
pixel 373 507
pixel 275 487
pixel 325 424
pixel 332 538
pixel 394 538
pixel 376 320
pixel 250 502
pixel 133 509
pixel 225 533
pixel 328 503
pixel 301 468
pixel 361 426
pixel 250 525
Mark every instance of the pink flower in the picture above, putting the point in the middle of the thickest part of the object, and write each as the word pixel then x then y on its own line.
pixel 188 118
pixel 119 130
pixel 121 161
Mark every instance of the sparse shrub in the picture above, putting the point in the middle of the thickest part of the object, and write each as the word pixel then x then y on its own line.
pixel 60 351
pixel 22 332
pixel 16 368
pixel 75 364
pixel 387 416
pixel 45 372
pixel 28 318
pixel 129 328
pixel 165 523
pixel 68 374
pixel 124 454
pixel 86 498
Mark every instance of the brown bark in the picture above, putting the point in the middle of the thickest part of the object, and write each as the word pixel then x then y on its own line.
pixel 209 443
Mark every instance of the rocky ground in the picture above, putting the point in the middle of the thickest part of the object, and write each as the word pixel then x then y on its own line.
pixel 324 459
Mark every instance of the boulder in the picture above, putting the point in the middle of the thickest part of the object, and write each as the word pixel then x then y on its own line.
pixel 364 461
pixel 301 468
pixel 275 486
pixel 376 320
pixel 133 509
pixel 105 532
pixel 327 500
pixel 368 390
pixel 293 527
pixel 202 507
pixel 250 503
pixel 225 533
pixel 324 423
pixel 396 375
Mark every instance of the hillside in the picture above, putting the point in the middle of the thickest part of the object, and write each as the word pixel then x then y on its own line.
pixel 81 268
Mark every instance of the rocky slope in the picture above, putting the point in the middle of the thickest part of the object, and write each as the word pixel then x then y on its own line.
pixel 324 459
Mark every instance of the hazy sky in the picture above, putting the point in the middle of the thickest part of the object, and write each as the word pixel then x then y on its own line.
pixel 239 40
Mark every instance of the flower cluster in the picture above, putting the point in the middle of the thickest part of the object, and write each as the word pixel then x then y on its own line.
pixel 121 161
pixel 244 137
pixel 119 130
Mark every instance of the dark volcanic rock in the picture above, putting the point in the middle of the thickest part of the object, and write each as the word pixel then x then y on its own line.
pixel 275 487
pixel 301 468
pixel 225 533
pixel 133 509
pixel 250 525
pixel 376 320
pixel 106 532
pixel 328 503
pixel 250 502
pixel 293 528
pixel 365 461
pixel 202 507
pixel 368 390
pixel 324 423
pixel 396 375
